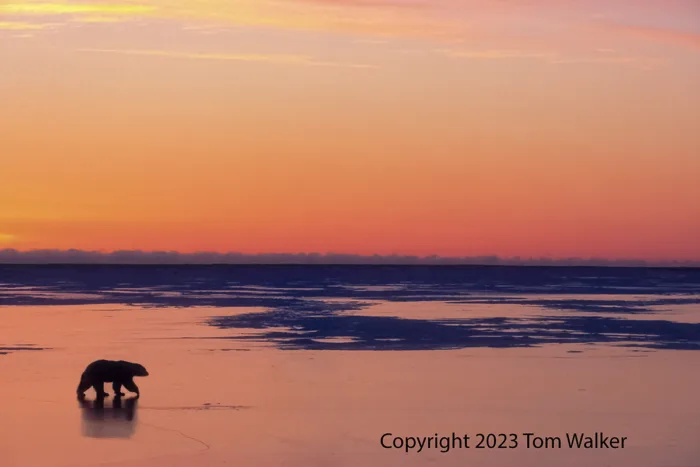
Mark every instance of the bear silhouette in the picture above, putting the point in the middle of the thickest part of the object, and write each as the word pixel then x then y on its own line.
pixel 119 373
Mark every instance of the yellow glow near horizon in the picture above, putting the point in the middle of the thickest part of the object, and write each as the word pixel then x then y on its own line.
pixel 6 238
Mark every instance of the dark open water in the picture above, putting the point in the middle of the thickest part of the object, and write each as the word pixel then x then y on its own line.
pixel 330 307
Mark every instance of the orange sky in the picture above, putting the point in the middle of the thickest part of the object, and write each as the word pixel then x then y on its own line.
pixel 449 127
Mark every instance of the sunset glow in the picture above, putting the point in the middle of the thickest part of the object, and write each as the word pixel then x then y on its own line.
pixel 448 127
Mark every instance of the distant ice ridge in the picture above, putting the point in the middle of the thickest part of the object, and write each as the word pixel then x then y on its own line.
pixel 73 256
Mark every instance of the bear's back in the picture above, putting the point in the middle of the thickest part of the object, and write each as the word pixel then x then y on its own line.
pixel 108 370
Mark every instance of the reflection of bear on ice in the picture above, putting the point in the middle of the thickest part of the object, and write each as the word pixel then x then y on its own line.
pixel 117 421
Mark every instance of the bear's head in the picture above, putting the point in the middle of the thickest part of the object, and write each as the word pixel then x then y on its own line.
pixel 138 370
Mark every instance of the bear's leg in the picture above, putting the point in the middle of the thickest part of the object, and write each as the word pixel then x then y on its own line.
pixel 82 387
pixel 131 386
pixel 117 386
pixel 99 389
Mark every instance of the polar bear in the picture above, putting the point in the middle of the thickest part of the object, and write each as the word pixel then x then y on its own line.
pixel 119 373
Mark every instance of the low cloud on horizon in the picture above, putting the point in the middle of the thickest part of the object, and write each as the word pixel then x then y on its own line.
pixel 12 256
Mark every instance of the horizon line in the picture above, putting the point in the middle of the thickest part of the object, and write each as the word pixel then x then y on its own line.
pixel 203 258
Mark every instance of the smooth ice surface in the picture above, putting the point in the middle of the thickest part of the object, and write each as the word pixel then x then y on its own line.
pixel 290 369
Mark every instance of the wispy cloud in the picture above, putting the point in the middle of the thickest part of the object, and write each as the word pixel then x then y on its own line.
pixel 684 38
pixel 99 19
pixel 44 9
pixel 20 26
pixel 595 60
pixel 601 56
pixel 496 54
pixel 268 58
pixel 370 3
pixel 368 17
pixel 12 256
pixel 443 20
pixel 64 13
pixel 205 29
